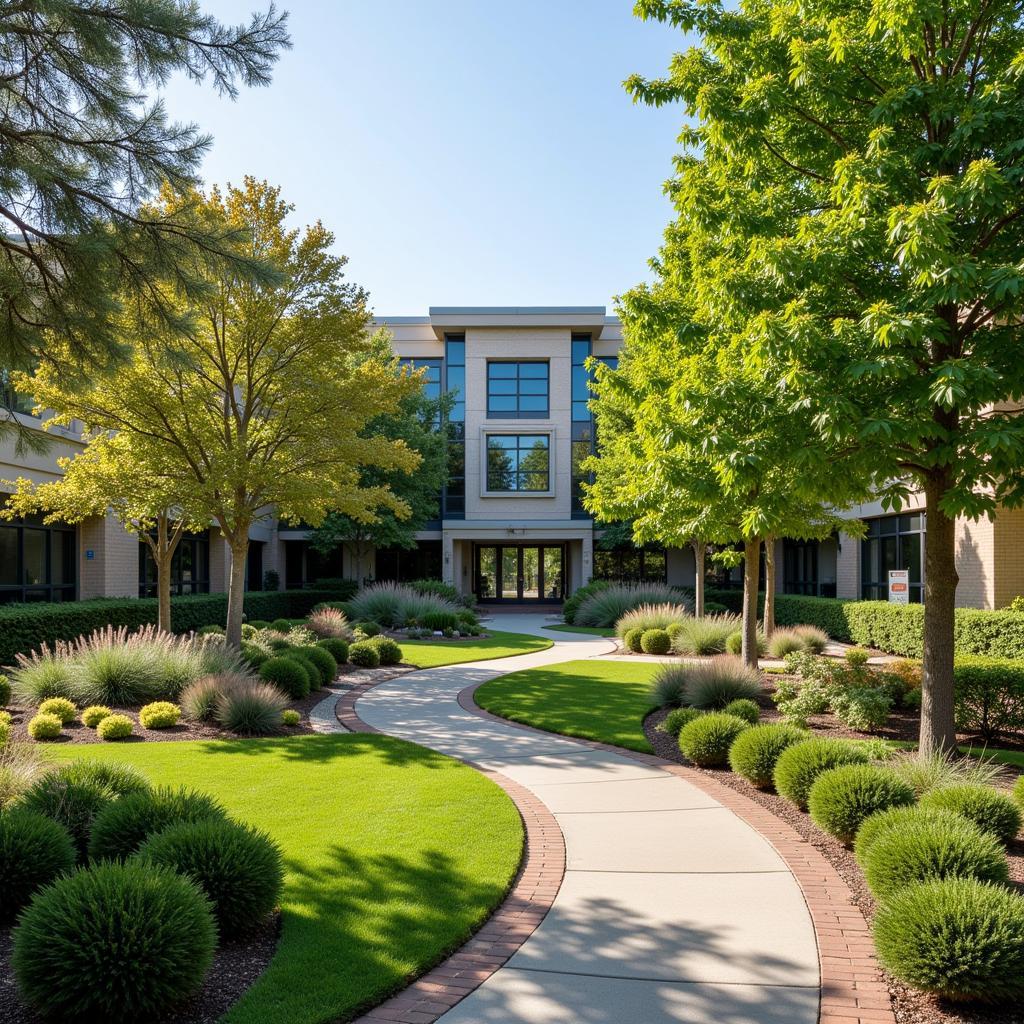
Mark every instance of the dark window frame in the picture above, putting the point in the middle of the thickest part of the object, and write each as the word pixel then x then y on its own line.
pixel 453 494
pixel 517 472
pixel 518 378
pixel 197 545
pixel 630 564
pixel 49 591
pixel 895 538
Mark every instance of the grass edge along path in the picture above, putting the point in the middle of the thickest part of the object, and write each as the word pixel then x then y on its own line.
pixel 434 654
pixel 564 627
pixel 394 855
pixel 594 700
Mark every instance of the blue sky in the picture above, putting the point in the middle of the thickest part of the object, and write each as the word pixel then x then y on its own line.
pixel 464 152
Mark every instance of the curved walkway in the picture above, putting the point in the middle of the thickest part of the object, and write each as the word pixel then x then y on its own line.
pixel 672 908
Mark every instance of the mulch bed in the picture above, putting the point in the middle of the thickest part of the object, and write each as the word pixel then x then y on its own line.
pixel 909 1006
pixel 236 966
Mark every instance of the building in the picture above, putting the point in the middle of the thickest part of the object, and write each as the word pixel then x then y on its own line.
pixel 511 524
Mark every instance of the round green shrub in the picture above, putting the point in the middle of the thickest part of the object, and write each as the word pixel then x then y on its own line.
pixel 34 850
pixel 94 714
pixel 281 625
pixel 756 751
pixel 655 641
pixel 123 826
pixel 5 734
pixel 677 718
pixel 1018 792
pixel 880 823
pixel 370 628
pixel 161 714
pixel 115 942
pixel 260 624
pixel 290 717
pixel 957 938
pixel 745 709
pixel 239 868
pixel 298 654
pixel 278 644
pixel 44 727
pixel 673 629
pixel 387 650
pixel 288 674
pixel 324 662
pixel 734 643
pixel 841 798
pixel 706 740
pixel 64 709
pixel 254 656
pixel 5 690
pixel 922 850
pixel 337 648
pixel 362 655
pixel 632 638
pixel 988 808
pixel 115 727
pixel 799 765
pixel 212 631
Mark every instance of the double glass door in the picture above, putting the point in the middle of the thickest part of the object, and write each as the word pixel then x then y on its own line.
pixel 520 572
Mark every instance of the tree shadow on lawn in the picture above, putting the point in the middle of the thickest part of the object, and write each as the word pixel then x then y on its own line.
pixel 356 929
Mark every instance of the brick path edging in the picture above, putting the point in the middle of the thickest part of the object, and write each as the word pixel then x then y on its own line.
pixel 852 987
pixel 516 918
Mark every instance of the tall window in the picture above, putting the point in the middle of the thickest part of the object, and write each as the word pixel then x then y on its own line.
pixel 583 439
pixel 37 562
pixel 190 567
pixel 518 462
pixel 11 399
pixel 629 564
pixel 892 542
pixel 454 497
pixel 517 390
pixel 432 381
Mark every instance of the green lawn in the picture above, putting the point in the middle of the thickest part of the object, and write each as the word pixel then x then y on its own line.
pixel 587 630
pixel 1011 757
pixel 394 854
pixel 431 653
pixel 598 700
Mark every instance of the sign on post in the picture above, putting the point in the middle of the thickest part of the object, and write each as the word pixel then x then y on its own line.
pixel 899 586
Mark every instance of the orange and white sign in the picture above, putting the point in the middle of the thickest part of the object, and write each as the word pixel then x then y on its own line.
pixel 899 586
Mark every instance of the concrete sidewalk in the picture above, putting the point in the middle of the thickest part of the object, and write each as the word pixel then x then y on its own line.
pixel 672 909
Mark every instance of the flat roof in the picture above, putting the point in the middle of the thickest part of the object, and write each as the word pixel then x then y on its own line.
pixel 517 310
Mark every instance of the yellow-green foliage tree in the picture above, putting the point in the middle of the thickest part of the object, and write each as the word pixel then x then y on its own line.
pixel 258 404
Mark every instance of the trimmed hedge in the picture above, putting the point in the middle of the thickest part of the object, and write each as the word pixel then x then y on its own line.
pixel 24 627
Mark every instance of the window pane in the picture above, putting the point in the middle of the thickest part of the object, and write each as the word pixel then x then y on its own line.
pixel 9 555
pixel 456 352
pixel 457 380
pixel 498 371
pixel 580 351
pixel 533 387
pixel 533 370
pixel 35 557
pixel 502 404
pixel 533 403
pixel 62 557
pixel 502 387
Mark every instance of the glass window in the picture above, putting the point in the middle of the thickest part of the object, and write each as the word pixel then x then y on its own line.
pixel 518 462
pixel 190 567
pixel 517 390
pixel 432 375
pixel 37 562
pixel 453 496
pixel 629 564
pixel 892 542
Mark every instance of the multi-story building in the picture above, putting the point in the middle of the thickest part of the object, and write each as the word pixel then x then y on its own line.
pixel 511 526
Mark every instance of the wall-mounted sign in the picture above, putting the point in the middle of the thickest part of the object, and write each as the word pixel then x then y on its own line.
pixel 89 554
pixel 899 586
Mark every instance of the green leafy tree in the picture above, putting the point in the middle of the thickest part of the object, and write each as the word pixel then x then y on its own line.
pixel 418 423
pixel 261 407
pixel 82 148
pixel 854 182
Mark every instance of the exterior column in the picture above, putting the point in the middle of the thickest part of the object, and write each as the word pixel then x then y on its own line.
pixel 848 567
pixel 448 558
pixel 108 559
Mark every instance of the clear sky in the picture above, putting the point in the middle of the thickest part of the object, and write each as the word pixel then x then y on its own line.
pixel 464 152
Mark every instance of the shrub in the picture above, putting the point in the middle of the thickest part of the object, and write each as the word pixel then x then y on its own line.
pixel 115 727
pixel 668 685
pixel 957 938
pixel 325 664
pixel 798 702
pixel 714 684
pixel 988 696
pixel 338 649
pixel 114 667
pixel 44 727
pixel 363 655
pixel 94 714
pixel 922 849
pixel 707 739
pixel 573 602
pixel 290 717
pixel 369 628
pixel 652 616
pixel 734 643
pixel 856 657
pixel 5 690
pixel 281 625
pixel 706 635
pixel 212 631
pixel 438 588
pixel 116 942
pixel 864 708
pixel 64 709
pixel 122 826
pixel 677 718
pixel 329 622
pixel 756 751
pixel 387 650
pixel 1018 792
pixel 254 656
pixel 605 607
pixel 252 710
pixel 396 604
pixel 815 640
pixel 40 676
pixel 655 641
pixel 237 867
pixel 161 715
pixel 989 809
pixel 198 698
pixel 925 772
pixel 800 765
pixel 841 798
pixel 879 823
pixel 783 642
pixel 287 674
pixel 633 640
pixel 745 709
pixel 34 849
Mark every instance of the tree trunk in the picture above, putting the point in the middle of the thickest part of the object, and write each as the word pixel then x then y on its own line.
pixel 768 616
pixel 236 587
pixel 163 591
pixel 700 550
pixel 751 572
pixel 938 729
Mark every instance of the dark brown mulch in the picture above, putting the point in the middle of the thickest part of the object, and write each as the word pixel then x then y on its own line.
pixel 236 966
pixel 909 1006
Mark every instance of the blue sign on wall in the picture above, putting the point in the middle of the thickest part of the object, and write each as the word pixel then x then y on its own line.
pixel 90 555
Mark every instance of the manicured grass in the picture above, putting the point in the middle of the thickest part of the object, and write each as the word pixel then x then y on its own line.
pixel 598 700
pixel 588 630
pixel 1011 757
pixel 394 854
pixel 433 653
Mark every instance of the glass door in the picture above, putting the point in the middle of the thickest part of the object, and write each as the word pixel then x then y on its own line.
pixel 520 572
pixel 486 573
pixel 511 581
pixel 529 574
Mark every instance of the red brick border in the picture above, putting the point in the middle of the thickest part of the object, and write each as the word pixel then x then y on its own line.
pixel 512 923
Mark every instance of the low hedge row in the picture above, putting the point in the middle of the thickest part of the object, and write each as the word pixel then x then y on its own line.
pixel 24 627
